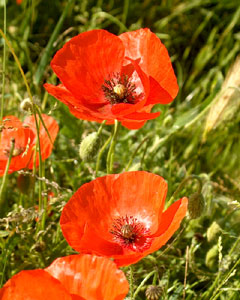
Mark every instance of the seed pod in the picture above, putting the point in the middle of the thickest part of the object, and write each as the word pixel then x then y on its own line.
pixel 153 292
pixel 211 257
pixel 90 146
pixel 24 183
pixel 213 231
pixel 196 205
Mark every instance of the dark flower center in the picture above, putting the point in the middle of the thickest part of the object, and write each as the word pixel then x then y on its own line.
pixel 131 233
pixel 119 89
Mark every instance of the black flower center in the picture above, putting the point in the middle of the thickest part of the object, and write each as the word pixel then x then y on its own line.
pixel 131 233
pixel 119 89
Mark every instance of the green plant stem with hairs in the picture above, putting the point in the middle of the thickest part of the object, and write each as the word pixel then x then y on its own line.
pixel 110 156
pixel 189 178
pixel 4 59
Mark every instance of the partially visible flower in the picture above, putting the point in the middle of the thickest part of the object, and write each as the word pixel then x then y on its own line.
pixel 108 77
pixel 121 216
pixel 19 1
pixel 75 277
pixel 25 136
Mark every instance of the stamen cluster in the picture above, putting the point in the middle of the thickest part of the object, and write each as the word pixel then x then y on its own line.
pixel 131 233
pixel 119 89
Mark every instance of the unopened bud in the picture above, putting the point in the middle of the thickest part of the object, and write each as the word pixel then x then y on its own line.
pixel 24 183
pixel 89 146
pixel 153 292
pixel 212 257
pixel 26 105
pixel 196 205
pixel 213 231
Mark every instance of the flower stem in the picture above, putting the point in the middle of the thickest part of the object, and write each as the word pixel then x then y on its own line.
pixel 191 177
pixel 110 155
pixel 34 110
pixel 4 58
pixel 142 283
pixel 131 283
pixel 4 180
pixel 135 152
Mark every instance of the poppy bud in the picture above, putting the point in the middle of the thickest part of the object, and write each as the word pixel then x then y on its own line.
pixel 211 257
pixel 195 205
pixel 213 231
pixel 26 105
pixel 153 292
pixel 89 146
pixel 24 183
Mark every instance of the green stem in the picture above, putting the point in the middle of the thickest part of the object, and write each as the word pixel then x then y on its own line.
pixel 101 127
pixel 101 153
pixel 135 153
pixel 189 178
pixel 207 294
pixel 34 110
pixel 110 155
pixel 142 283
pixel 131 283
pixel 4 180
pixel 4 58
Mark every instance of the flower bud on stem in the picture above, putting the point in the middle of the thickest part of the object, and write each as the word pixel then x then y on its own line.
pixel 196 200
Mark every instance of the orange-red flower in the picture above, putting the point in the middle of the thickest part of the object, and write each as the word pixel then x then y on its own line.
pixel 108 77
pixel 121 216
pixel 75 277
pixel 25 136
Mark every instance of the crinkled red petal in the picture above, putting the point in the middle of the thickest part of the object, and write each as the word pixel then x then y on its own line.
pixel 83 63
pixel 90 277
pixel 154 59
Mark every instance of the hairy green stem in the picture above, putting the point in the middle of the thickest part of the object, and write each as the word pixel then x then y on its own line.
pixel 34 112
pixel 135 152
pixel 4 58
pixel 142 283
pixel 110 155
pixel 131 283
pixel 189 178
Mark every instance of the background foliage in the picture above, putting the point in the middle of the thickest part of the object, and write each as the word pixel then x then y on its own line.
pixel 196 134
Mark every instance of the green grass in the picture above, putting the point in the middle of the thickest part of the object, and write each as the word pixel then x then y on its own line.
pixel 203 39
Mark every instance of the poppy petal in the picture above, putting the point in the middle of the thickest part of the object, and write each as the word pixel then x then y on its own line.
pixel 45 142
pixel 77 108
pixel 93 208
pixel 83 63
pixel 154 58
pixel 90 277
pixel 34 284
pixel 24 141
pixel 157 94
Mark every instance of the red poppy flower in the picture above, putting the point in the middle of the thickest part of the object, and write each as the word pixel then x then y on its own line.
pixel 19 2
pixel 121 216
pixel 108 77
pixel 25 136
pixel 75 277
